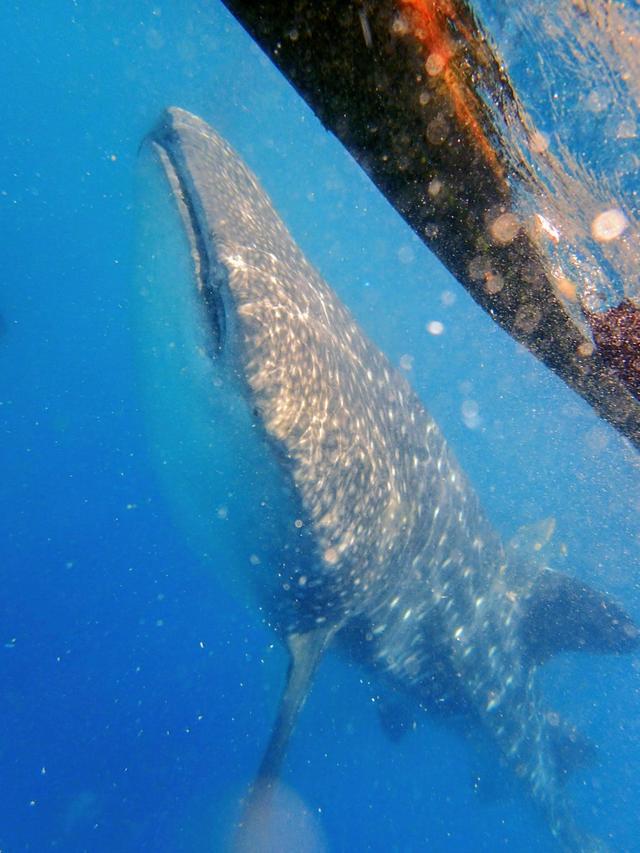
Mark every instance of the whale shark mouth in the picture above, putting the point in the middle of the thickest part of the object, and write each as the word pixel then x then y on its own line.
pixel 209 274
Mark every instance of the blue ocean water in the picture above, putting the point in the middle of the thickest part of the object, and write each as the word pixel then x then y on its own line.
pixel 137 694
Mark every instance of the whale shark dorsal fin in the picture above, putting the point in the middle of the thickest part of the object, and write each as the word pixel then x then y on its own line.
pixel 563 614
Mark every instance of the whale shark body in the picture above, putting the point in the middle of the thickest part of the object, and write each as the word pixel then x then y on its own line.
pixel 384 553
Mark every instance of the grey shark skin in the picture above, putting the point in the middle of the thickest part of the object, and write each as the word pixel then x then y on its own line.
pixel 392 560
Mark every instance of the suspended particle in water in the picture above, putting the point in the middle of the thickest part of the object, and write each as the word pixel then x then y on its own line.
pixel 366 29
pixel 479 268
pixel 541 225
pixel 154 39
pixel 470 414
pixel 627 129
pixel 596 439
pixel 539 142
pixel 406 255
pixel 406 362
pixel 435 327
pixel 437 130
pixel 609 225
pixel 598 100
pixel 434 187
pixel 331 556
pixel 527 318
pixel 400 26
pixel 493 283
pixel 565 287
pixel 435 64
pixel 504 228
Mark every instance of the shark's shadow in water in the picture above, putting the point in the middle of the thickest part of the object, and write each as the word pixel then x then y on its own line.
pixel 388 556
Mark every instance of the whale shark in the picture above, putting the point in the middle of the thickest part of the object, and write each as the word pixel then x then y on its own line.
pixel 384 553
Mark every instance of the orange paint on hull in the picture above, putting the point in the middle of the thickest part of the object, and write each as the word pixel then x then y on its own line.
pixel 429 22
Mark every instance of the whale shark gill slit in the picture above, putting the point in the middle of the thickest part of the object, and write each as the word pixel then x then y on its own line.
pixel 208 273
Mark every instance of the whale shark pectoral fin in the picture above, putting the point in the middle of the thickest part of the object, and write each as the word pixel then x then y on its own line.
pixel 305 652
pixel 562 614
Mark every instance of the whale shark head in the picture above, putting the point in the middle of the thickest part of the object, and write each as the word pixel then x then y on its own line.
pixel 208 442
pixel 325 400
